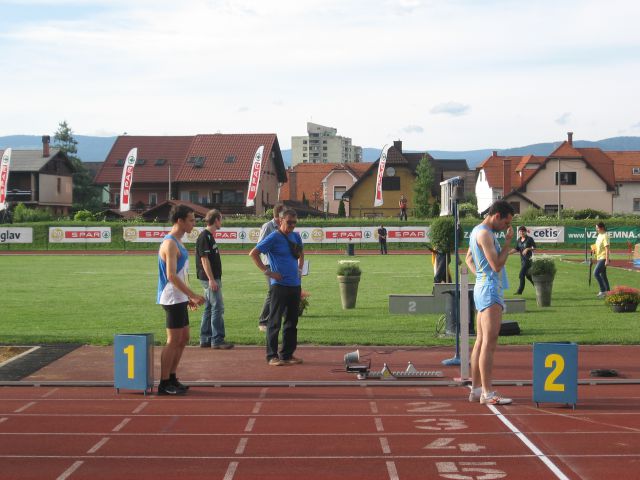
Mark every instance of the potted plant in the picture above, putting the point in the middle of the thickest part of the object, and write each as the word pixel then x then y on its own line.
pixel 623 299
pixel 304 302
pixel 543 271
pixel 348 279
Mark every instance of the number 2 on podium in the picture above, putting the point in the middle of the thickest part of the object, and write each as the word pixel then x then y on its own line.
pixel 557 361
pixel 130 353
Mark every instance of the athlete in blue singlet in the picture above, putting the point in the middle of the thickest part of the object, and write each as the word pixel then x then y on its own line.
pixel 487 261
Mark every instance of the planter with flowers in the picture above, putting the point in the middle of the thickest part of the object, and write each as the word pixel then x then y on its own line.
pixel 623 299
pixel 304 302
pixel 348 279
pixel 543 271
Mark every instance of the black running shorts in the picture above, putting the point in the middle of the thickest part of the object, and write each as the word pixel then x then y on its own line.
pixel 177 315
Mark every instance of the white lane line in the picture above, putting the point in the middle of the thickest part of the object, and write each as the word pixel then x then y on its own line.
pixel 24 407
pixel 242 444
pixel 384 443
pixel 121 425
pixel 140 407
pixel 70 470
pixel 523 438
pixel 379 427
pixel 97 446
pixel 263 392
pixel 231 471
pixel 250 425
pixel 50 392
pixel 256 408
pixel 393 472
pixel 374 407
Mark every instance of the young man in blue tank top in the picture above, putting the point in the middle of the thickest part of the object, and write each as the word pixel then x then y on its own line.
pixel 176 297
pixel 487 261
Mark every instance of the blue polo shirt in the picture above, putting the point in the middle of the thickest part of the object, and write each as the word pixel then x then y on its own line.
pixel 281 260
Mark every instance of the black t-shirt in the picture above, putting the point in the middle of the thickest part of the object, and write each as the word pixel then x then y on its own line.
pixel 382 232
pixel 528 242
pixel 206 247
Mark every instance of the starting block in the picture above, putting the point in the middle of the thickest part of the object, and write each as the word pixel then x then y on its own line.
pixel 410 372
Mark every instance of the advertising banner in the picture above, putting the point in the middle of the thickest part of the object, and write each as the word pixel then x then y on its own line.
pixel 16 235
pixel 617 235
pixel 254 177
pixel 79 234
pixel 156 234
pixel 127 180
pixel 378 201
pixel 4 177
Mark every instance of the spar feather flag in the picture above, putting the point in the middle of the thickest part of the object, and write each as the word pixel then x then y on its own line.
pixel 127 180
pixel 377 201
pixel 4 177
pixel 254 178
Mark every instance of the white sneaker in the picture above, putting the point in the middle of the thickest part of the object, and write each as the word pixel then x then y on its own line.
pixel 601 294
pixel 493 398
pixel 475 394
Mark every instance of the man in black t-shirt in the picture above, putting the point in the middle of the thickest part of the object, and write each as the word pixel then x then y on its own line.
pixel 209 271
pixel 382 238
pixel 525 246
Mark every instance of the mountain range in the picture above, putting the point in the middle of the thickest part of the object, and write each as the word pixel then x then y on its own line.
pixel 96 149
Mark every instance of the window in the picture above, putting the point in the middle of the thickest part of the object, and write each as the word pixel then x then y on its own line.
pixel 199 162
pixel 59 184
pixel 141 161
pixel 324 148
pixel 160 161
pixel 304 154
pixel 551 209
pixel 304 142
pixel 338 192
pixel 193 197
pixel 324 154
pixel 516 207
pixel 635 171
pixel 566 178
pixel 153 199
pixel 119 162
pixel 215 197
pixel 391 183
pixel 230 159
pixel 636 204
pixel 304 148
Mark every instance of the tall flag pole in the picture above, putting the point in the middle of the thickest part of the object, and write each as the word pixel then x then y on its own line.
pixel 254 178
pixel 378 201
pixel 127 180
pixel 4 177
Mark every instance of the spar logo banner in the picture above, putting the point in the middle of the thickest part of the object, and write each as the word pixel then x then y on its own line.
pixel 16 235
pixel 127 180
pixel 4 177
pixel 137 234
pixel 254 178
pixel 311 235
pixel 79 234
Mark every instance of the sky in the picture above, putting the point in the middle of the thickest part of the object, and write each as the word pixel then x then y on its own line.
pixel 436 74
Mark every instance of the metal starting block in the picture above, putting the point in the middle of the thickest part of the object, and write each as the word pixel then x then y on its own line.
pixel 410 372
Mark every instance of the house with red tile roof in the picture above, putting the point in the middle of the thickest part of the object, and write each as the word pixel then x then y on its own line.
pixel 575 178
pixel 208 170
pixel 626 168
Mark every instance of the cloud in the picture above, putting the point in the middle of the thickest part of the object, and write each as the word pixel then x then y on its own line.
pixel 635 126
pixel 564 118
pixel 413 129
pixel 243 109
pixel 451 108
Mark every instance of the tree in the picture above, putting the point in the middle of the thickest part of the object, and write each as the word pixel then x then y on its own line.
pixel 86 195
pixel 304 199
pixel 341 209
pixel 422 188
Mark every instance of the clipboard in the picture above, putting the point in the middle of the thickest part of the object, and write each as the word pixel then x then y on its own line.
pixel 305 268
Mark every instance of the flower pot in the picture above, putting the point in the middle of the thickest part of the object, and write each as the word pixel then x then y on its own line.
pixel 624 307
pixel 543 285
pixel 348 290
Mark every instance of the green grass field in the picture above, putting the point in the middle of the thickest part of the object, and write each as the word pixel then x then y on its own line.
pixel 88 299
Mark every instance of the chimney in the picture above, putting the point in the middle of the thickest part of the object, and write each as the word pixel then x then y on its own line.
pixel 570 138
pixel 495 153
pixel 506 177
pixel 45 146
pixel 398 145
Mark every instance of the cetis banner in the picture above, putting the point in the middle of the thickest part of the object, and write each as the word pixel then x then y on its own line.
pixel 127 180
pixel 79 234
pixel 4 177
pixel 254 177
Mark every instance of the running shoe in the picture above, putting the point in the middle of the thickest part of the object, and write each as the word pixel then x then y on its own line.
pixel 475 394
pixel 276 362
pixel 494 398
pixel 292 361
pixel 176 382
pixel 170 389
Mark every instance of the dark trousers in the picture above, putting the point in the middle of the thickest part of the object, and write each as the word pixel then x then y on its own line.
pixel 525 264
pixel 266 308
pixel 284 302
pixel 403 213
pixel 383 247
pixel 600 273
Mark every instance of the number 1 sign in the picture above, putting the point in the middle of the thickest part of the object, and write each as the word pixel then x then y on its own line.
pixel 555 373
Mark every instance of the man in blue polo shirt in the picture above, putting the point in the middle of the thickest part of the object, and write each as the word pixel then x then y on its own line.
pixel 284 251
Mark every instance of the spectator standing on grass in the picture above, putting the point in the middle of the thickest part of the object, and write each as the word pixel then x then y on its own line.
pixel 286 258
pixel 525 247
pixel 601 250
pixel 267 229
pixel 487 261
pixel 176 297
pixel 382 238
pixel 209 270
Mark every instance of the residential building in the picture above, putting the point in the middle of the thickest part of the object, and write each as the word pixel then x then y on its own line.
pixel 323 145
pixel 398 179
pixel 626 167
pixel 41 179
pixel 208 170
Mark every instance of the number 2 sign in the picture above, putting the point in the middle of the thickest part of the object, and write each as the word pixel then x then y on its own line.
pixel 555 373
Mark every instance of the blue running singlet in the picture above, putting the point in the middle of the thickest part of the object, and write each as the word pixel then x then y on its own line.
pixel 490 285
pixel 168 293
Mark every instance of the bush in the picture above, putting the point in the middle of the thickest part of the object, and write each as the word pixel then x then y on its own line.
pixel 349 268
pixel 268 213
pixel 468 210
pixel 23 214
pixel 590 213
pixel 621 294
pixel 543 265
pixel 531 214
pixel 442 234
pixel 84 216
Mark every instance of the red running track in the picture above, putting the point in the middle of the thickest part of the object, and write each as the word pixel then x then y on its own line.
pixel 387 433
